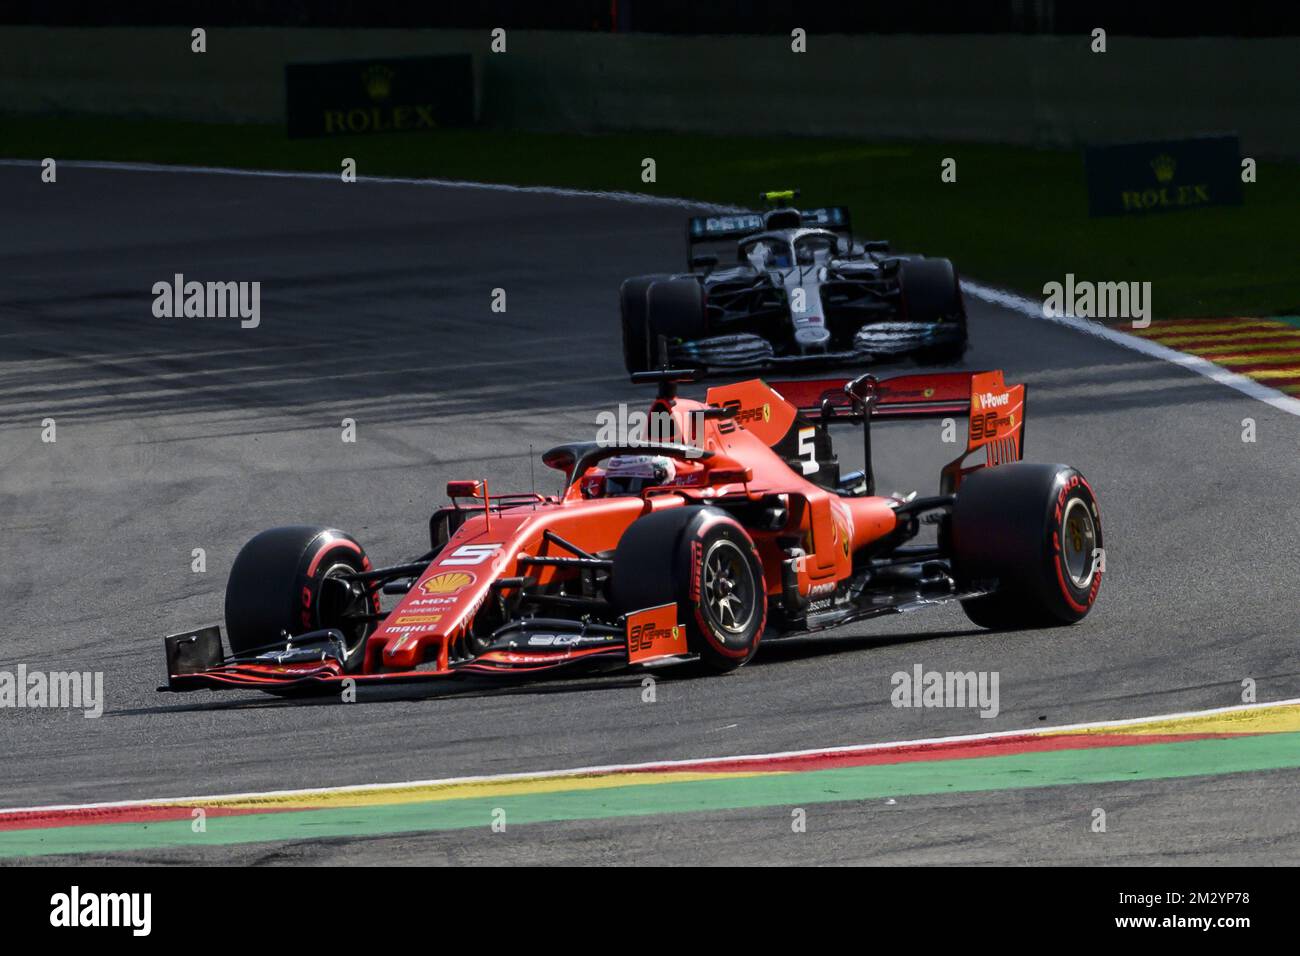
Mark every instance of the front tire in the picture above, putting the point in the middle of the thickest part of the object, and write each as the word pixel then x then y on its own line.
pixel 931 293
pixel 675 309
pixel 704 561
pixel 293 580
pixel 632 313
pixel 1037 530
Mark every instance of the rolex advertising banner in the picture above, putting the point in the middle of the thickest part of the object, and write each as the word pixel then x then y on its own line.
pixel 1154 177
pixel 379 96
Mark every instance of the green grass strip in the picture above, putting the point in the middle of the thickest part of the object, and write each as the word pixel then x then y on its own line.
pixel 1039 769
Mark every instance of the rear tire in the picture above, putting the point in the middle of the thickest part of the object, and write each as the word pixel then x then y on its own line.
pixel 932 294
pixel 704 561
pixel 290 580
pixel 1036 529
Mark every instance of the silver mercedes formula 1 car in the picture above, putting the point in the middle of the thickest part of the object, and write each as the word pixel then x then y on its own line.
pixel 798 288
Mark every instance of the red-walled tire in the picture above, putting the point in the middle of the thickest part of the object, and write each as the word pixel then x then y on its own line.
pixel 703 560
pixel 1036 529
pixel 290 580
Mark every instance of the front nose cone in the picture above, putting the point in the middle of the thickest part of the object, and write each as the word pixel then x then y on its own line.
pixel 814 339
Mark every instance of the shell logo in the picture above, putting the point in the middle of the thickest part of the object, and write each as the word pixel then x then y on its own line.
pixel 448 582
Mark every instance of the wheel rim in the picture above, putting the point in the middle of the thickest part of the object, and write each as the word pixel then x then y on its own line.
pixel 727 591
pixel 1078 541
pixel 341 601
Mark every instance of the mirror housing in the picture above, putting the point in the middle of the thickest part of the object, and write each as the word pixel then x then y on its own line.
pixel 862 391
pixel 465 489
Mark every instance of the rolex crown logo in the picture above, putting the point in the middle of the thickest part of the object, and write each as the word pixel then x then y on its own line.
pixel 378 81
pixel 1164 166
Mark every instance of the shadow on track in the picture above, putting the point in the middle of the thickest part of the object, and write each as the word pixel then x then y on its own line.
pixel 471 687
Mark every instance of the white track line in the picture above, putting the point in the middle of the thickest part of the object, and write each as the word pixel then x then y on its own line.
pixel 653 765
pixel 1193 363
pixel 643 199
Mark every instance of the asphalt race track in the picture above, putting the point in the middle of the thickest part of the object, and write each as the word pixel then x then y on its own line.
pixel 176 434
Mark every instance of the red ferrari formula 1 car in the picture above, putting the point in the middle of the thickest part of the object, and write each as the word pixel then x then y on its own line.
pixel 737 527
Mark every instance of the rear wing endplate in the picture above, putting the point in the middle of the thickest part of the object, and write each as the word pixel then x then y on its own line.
pixel 834 218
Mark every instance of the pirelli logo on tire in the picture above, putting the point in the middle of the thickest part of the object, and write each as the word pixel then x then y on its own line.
pixel 654 633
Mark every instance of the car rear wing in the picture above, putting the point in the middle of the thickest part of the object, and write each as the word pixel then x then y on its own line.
pixel 834 218
pixel 996 411
pixel 723 226
pixel 735 226
pixel 903 396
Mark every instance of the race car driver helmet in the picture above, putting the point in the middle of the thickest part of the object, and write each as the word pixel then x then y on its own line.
pixel 630 474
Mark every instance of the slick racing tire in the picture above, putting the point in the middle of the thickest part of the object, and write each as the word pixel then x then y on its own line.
pixel 675 310
pixel 292 580
pixel 632 310
pixel 1036 529
pixel 931 294
pixel 704 561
